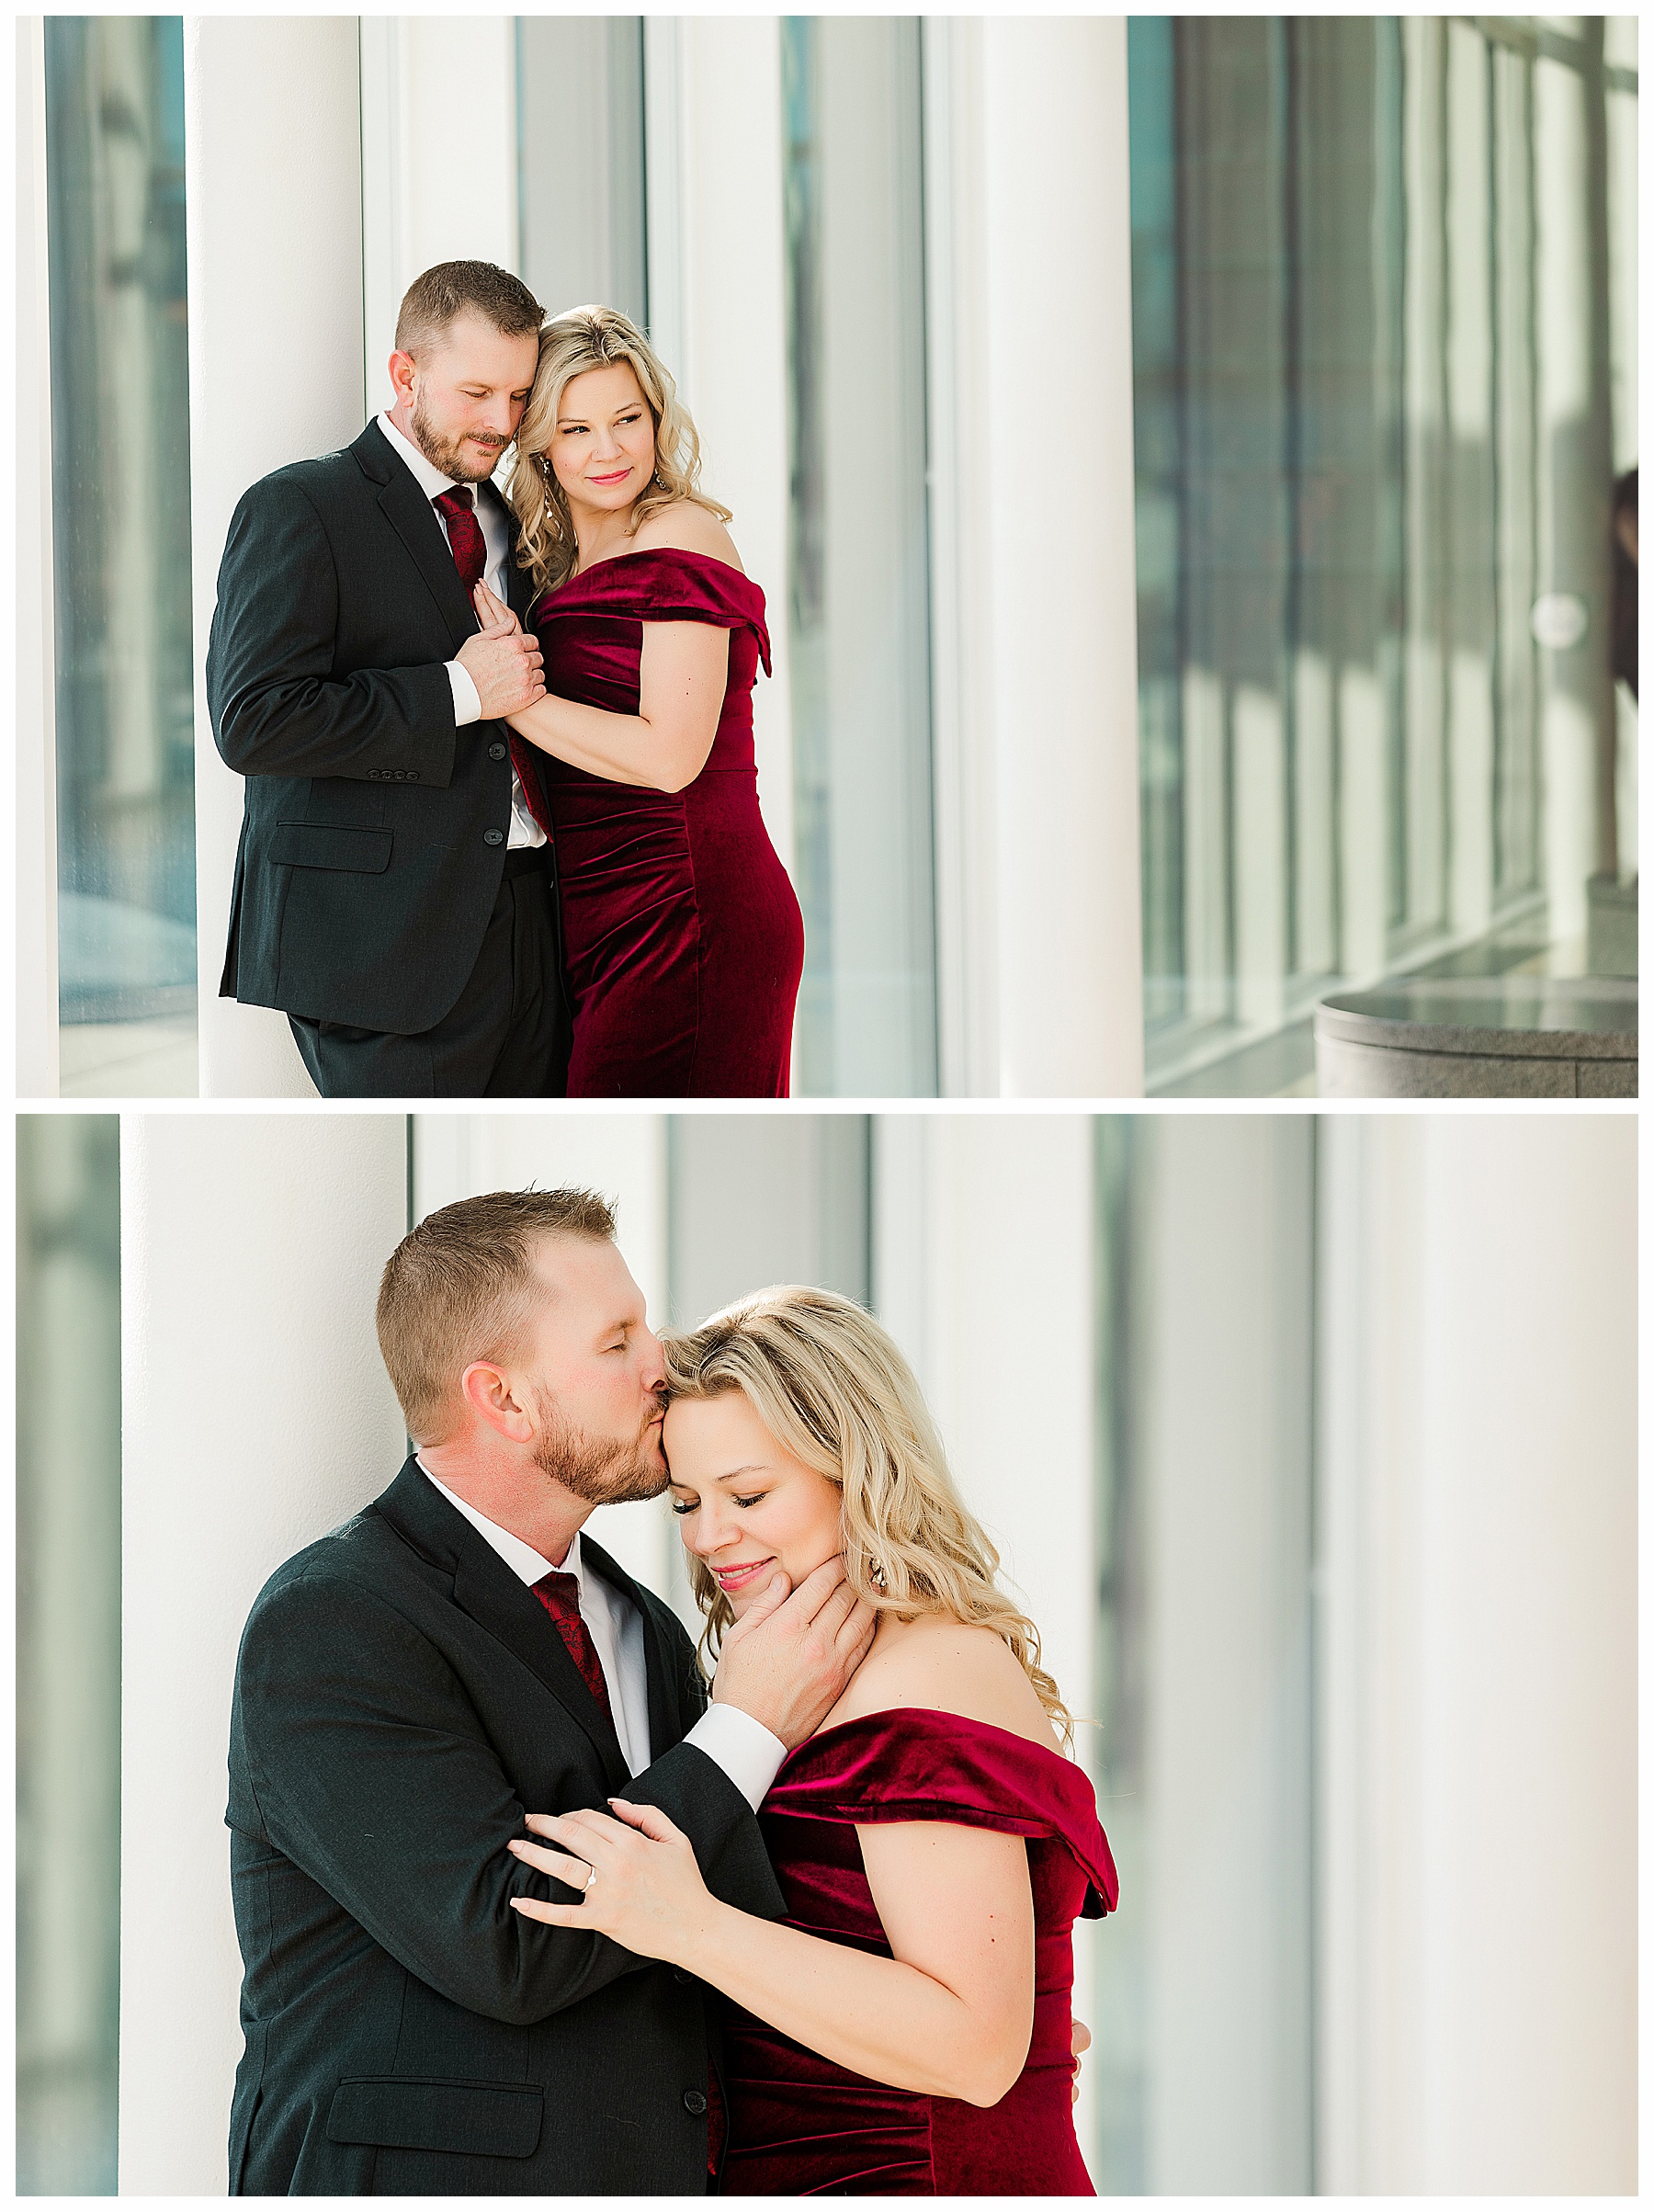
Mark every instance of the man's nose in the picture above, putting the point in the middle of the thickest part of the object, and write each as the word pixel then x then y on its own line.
pixel 654 1361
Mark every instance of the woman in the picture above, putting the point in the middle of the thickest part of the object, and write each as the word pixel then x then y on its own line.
pixel 905 2031
pixel 682 935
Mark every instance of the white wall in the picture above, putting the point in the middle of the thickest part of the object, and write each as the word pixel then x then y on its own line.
pixel 717 287
pixel 256 1415
pixel 623 1157
pixel 439 160
pixel 1035 564
pixel 1478 1724
pixel 274 208
pixel 982 1270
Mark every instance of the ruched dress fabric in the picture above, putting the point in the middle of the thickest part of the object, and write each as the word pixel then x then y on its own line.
pixel 682 935
pixel 799 2124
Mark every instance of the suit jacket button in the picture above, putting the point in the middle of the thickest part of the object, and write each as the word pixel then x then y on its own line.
pixel 695 2101
pixel 496 752
pixel 494 836
pixel 681 1974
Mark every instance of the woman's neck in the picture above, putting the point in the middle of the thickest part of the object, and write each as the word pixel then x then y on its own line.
pixel 599 535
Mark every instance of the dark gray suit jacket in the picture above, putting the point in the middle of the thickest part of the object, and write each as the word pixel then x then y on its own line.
pixel 374 832
pixel 401 1699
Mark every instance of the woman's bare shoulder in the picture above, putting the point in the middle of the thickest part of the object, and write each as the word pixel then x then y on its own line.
pixel 685 528
pixel 947 1666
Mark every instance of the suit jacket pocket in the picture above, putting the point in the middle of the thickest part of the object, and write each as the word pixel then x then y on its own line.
pixel 331 844
pixel 477 2119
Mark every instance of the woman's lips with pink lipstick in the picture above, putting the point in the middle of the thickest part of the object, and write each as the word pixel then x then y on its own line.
pixel 619 477
pixel 736 1578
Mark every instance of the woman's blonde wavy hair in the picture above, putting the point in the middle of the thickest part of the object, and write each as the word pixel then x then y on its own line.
pixel 829 1383
pixel 580 339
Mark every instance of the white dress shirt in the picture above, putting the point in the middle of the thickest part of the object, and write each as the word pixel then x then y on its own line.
pixel 496 546
pixel 732 1740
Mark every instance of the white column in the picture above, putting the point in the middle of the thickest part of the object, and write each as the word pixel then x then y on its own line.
pixel 983 1256
pixel 623 1157
pixel 717 277
pixel 1036 728
pixel 1478 1721
pixel 256 1415
pixel 439 160
pixel 34 654
pixel 274 186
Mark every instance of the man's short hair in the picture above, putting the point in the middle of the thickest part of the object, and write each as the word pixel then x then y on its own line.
pixel 453 287
pixel 461 1287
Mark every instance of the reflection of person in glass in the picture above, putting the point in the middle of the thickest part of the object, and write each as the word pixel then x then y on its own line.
pixel 682 937
pixel 394 892
pixel 1624 649
pixel 906 2030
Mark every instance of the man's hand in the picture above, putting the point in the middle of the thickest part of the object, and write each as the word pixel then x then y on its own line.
pixel 504 665
pixel 788 1660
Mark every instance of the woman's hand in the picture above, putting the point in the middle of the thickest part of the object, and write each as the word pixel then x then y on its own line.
pixel 639 1873
pixel 496 617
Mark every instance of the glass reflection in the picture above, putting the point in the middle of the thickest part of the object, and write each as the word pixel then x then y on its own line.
pixel 121 502
pixel 859 609
pixel 68 1652
pixel 1371 310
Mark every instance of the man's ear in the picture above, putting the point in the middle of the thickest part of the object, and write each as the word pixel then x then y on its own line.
pixel 403 370
pixel 488 1390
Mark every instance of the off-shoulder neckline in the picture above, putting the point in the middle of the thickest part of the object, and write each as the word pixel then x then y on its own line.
pixel 890 1712
pixel 650 553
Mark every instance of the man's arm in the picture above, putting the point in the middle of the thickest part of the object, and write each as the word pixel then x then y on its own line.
pixel 278 708
pixel 372 1773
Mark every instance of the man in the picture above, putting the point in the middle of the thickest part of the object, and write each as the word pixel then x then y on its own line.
pixel 395 891
pixel 458 1655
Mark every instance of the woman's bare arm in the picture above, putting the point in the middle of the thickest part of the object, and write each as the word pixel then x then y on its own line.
pixel 952 2011
pixel 682 675
pixel 950 2014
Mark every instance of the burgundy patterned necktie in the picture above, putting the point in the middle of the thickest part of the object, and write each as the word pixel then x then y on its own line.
pixel 559 1595
pixel 471 557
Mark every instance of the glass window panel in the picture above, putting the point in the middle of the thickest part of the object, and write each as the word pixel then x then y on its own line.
pixel 1202 2065
pixel 765 1199
pixel 68 1652
pixel 1378 326
pixel 859 605
pixel 580 162
pixel 121 519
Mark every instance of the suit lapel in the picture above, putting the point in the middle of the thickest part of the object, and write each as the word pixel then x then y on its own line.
pixel 486 1590
pixel 666 1724
pixel 508 1609
pixel 412 517
pixel 519 591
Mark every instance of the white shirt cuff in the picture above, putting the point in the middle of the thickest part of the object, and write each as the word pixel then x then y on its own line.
pixel 468 706
pixel 743 1747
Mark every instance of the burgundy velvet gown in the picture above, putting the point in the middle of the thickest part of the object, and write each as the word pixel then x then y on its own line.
pixel 682 935
pixel 801 2125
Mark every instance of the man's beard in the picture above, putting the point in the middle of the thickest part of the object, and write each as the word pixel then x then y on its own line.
pixel 449 457
pixel 602 1473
